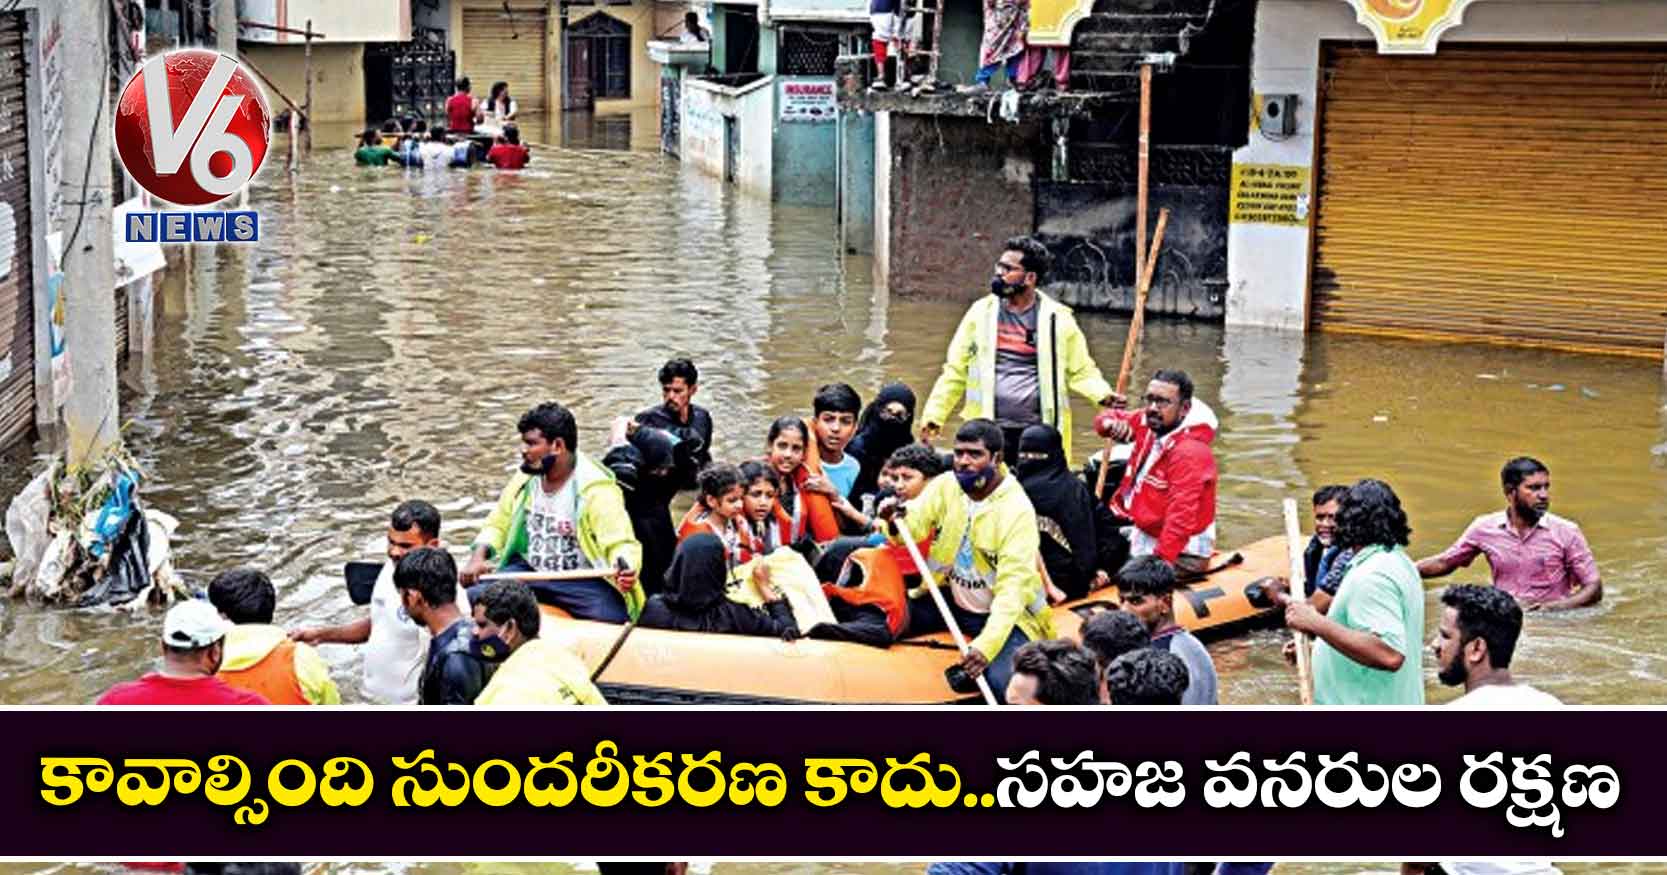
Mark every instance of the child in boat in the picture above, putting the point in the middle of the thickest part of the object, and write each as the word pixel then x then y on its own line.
pixel 371 152
pixel 801 514
pixel 833 424
pixel 720 511
pixel 695 597
pixel 760 492
pixel 508 153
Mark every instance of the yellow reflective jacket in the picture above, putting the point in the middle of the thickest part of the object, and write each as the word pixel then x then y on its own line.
pixel 605 533
pixel 541 672
pixel 1062 363
pixel 1005 540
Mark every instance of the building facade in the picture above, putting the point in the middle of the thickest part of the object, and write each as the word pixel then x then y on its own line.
pixel 1480 171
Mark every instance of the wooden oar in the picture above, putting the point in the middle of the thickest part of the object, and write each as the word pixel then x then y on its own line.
pixel 931 585
pixel 550 576
pixel 1143 287
pixel 619 565
pixel 1293 538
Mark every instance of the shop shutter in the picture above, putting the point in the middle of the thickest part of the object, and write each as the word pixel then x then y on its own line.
pixel 17 278
pixel 507 47
pixel 1498 194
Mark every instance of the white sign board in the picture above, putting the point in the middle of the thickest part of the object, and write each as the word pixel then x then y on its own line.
pixel 803 101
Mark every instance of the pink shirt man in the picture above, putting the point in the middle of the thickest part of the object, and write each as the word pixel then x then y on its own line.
pixel 1548 563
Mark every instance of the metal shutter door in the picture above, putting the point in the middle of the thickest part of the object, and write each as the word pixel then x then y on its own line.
pixel 1495 194
pixel 501 48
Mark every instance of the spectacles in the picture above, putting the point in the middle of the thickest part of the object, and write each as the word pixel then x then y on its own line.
pixel 1159 401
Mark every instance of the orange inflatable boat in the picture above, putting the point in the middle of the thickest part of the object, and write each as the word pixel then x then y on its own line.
pixel 658 666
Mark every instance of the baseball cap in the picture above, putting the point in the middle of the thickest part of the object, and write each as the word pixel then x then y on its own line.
pixel 193 624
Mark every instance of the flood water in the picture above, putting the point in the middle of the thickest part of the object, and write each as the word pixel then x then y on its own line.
pixel 382 339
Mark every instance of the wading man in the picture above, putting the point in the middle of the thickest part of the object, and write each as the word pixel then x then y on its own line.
pixel 1536 556
pixel 1319 558
pixel 1473 647
pixel 1016 356
pixel 984 550
pixel 562 512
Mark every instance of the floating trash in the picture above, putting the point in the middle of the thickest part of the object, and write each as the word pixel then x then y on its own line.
pixel 1380 418
pixel 1487 376
pixel 1589 393
pixel 1555 387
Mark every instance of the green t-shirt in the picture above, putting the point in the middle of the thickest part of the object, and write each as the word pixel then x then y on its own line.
pixel 374 156
pixel 1383 595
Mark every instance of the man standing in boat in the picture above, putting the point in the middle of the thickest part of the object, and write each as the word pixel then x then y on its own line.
pixel 1015 355
pixel 1538 557
pixel 562 512
pixel 1168 490
pixel 984 548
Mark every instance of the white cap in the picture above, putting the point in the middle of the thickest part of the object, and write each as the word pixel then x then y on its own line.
pixel 193 624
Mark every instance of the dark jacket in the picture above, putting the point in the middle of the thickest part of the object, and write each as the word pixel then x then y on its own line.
pixel 453 674
pixel 878 437
pixel 694 599
pixel 698 428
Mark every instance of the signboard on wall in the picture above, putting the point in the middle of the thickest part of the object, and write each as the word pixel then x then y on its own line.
pixel 1269 194
pixel 1409 27
pixel 807 101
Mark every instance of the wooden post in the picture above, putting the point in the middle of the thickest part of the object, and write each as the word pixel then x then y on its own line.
pixel 307 100
pixel 1293 539
pixel 1145 161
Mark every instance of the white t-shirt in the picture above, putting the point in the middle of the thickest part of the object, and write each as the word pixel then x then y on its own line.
pixel 397 647
pixel 1507 868
pixel 436 155
pixel 1499 696
pixel 553 530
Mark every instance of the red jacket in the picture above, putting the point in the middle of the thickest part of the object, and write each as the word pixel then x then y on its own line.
pixel 1175 498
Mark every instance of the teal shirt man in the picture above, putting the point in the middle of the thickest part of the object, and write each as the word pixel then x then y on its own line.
pixel 1382 595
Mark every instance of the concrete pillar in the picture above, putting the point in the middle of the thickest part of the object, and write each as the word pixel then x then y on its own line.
pixel 225 27
pixel 90 415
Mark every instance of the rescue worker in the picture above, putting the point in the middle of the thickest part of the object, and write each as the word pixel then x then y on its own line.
pixel 984 551
pixel 534 670
pixel 562 512
pixel 1168 491
pixel 1015 356
pixel 260 657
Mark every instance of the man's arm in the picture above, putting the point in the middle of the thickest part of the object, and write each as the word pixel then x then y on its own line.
pixel 1380 643
pixel 1082 375
pixel 356 632
pixel 1460 555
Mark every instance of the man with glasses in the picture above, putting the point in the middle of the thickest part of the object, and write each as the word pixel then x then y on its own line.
pixel 1015 356
pixel 1168 491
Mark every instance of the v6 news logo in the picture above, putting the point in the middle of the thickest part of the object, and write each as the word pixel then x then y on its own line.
pixel 192 128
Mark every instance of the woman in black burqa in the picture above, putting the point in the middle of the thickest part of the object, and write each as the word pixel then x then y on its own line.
pixel 1064 510
pixel 886 424
pixel 694 599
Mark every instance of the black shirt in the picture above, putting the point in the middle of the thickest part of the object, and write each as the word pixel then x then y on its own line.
pixel 699 427
pixel 453 675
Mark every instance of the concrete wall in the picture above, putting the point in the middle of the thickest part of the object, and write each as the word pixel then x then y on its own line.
pixel 338 78
pixel 706 107
pixel 884 159
pixel 959 187
pixel 1268 265
pixel 339 21
pixel 645 74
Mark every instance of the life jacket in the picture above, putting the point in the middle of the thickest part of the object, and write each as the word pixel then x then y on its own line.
pixel 273 677
pixel 815 512
pixel 881 586
pixel 699 519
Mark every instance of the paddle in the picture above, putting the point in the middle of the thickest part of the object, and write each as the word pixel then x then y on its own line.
pixel 1293 538
pixel 549 576
pixel 1143 287
pixel 361 580
pixel 619 565
pixel 931 585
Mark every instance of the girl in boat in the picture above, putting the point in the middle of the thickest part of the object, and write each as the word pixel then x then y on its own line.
pixel 720 511
pixel 799 514
pixel 760 490
pixel 695 601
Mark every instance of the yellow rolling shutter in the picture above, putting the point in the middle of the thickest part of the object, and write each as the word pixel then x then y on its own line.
pixel 500 47
pixel 1497 194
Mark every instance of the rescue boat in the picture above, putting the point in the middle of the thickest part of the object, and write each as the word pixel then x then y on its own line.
pixel 658 666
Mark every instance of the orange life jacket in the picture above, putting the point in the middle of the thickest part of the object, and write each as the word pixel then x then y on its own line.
pixel 882 585
pixel 699 519
pixel 816 512
pixel 273 677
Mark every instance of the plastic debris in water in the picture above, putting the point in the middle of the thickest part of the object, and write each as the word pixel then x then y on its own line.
pixel 538 281
pixel 1589 393
pixel 1555 387
pixel 335 189
pixel 1487 376
pixel 1380 418
pixel 423 238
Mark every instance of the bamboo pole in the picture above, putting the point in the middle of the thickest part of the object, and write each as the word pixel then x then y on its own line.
pixel 1293 538
pixel 1137 323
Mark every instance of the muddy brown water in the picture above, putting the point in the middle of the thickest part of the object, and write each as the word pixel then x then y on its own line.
pixel 380 341
pixel 721 868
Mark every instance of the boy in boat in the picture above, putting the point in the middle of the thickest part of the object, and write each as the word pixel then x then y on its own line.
pixel 679 414
pixel 1168 491
pixel 531 670
pixel 1110 634
pixel 259 656
pixel 453 673
pixel 1538 557
pixel 1053 672
pixel 833 424
pixel 984 551
pixel 394 648
pixel 562 512
pixel 1015 355
pixel 1147 587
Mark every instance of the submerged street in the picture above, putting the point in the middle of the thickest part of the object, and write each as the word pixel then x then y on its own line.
pixel 381 340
